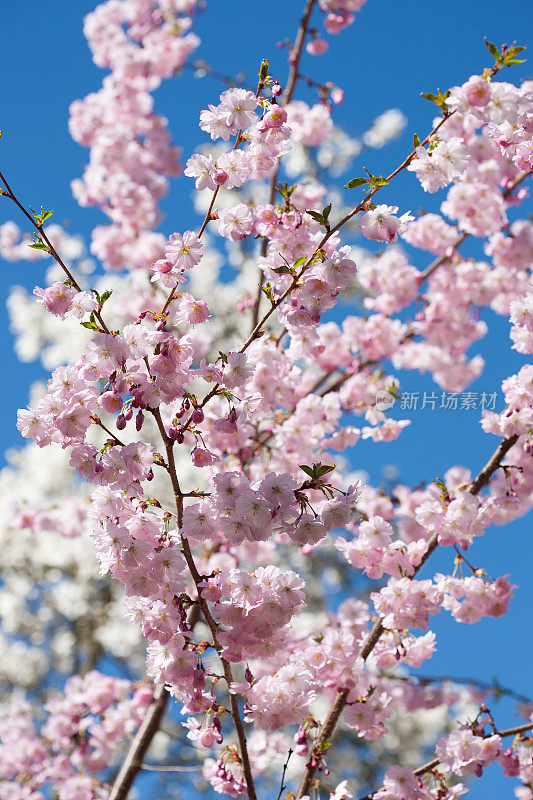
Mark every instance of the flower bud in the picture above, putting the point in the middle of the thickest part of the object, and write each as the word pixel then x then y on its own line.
pixel 197 415
pixel 220 177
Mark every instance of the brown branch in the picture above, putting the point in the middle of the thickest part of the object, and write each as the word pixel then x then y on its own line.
pixel 492 465
pixel 9 193
pixel 296 52
pixel 169 768
pixel 490 688
pixel 287 96
pixel 442 259
pixel 328 727
pixel 143 738
pixel 203 605
pixel 435 761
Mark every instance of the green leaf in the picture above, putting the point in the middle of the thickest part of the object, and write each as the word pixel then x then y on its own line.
pixel 513 51
pixel 308 470
pixel 439 99
pixel 323 469
pixel 322 216
pixel 283 270
pixel 91 325
pixel 495 53
pixel 440 483
pixel 263 72
pixel 285 190
pixel 299 261
pixel 43 216
pixel 416 140
pixel 355 182
pixel 104 296
pixel 375 180
pixel 39 245
pixel 267 290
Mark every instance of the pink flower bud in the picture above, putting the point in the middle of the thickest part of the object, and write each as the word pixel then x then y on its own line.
pixel 317 47
pixel 220 177
pixel 110 402
pixel 207 738
pixel 162 266
pixel 197 415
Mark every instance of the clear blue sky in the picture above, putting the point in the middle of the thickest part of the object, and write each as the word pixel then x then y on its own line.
pixel 392 53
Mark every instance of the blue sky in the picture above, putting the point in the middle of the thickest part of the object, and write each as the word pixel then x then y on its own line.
pixel 393 52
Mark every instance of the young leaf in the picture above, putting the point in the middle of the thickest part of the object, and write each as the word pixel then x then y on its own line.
pixel 267 290
pixel 322 216
pixel 416 140
pixel 263 72
pixel 104 296
pixel 323 469
pixel 317 216
pixel 299 261
pixel 439 99
pixel 43 216
pixel 283 270
pixel 375 180
pixel 495 53
pixel 440 483
pixel 355 182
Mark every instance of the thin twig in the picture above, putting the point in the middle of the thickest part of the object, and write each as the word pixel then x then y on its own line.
pixel 326 731
pixel 286 764
pixel 294 75
pixel 442 259
pixel 144 736
pixel 204 607
pixel 50 247
pixel 152 768
pixel 435 761
pixel 490 688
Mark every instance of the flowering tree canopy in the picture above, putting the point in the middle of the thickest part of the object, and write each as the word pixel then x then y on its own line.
pixel 200 593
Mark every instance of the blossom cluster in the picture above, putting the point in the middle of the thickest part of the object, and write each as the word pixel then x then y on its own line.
pixel 214 449
pixel 81 736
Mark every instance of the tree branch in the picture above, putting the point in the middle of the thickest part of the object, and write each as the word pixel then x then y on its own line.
pixel 328 727
pixel 295 58
pixel 435 761
pixel 50 247
pixel 143 738
pixel 442 259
